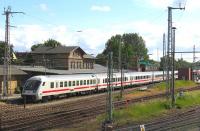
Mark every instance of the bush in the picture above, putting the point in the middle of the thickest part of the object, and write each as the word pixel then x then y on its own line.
pixel 17 90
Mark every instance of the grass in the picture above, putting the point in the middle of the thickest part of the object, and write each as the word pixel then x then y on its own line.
pixel 157 88
pixel 188 99
pixel 178 84
pixel 143 111
pixel 155 108
pixel 148 110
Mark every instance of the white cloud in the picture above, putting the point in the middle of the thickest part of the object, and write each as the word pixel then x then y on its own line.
pixel 100 8
pixel 192 5
pixel 43 7
pixel 93 40
pixel 160 3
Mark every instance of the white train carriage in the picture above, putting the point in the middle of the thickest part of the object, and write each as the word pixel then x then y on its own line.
pixel 136 78
pixel 42 87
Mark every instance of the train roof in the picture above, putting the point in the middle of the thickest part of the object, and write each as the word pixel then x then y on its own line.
pixel 90 76
pixel 63 77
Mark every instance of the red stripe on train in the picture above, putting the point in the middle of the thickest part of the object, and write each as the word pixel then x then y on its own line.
pixel 49 91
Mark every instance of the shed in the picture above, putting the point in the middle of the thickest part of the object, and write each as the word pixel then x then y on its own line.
pixel 18 78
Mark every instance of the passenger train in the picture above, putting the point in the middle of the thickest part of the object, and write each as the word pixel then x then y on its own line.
pixel 45 87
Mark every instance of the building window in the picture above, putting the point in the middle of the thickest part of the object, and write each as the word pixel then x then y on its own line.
pixel 77 65
pixel 71 65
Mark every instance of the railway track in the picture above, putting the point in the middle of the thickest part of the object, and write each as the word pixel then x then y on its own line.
pixel 179 121
pixel 64 114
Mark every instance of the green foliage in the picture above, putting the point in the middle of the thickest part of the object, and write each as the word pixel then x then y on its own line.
pixel 178 64
pixel 35 46
pixel 154 108
pixel 139 112
pixel 188 99
pixel 100 59
pixel 29 59
pixel 48 43
pixel 178 84
pixel 2 50
pixel 182 64
pixel 132 46
pixel 17 90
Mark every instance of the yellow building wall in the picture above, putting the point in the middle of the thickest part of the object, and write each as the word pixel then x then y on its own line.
pixel 12 85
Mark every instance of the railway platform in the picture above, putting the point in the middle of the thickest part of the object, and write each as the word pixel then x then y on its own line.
pixel 10 97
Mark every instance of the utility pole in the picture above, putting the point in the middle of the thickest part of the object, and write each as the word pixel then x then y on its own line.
pixel 173 59
pixel 193 68
pixel 169 50
pixel 120 65
pixel 109 107
pixel 7 53
pixel 164 56
pixel 109 83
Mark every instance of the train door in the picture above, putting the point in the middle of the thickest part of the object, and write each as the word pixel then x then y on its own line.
pixel 114 81
pixel 96 82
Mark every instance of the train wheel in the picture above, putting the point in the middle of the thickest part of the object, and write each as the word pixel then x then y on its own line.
pixel 45 99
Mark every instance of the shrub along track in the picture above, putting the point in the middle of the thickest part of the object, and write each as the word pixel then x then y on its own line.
pixel 65 114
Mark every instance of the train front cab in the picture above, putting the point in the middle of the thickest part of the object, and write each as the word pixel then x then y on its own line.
pixel 30 90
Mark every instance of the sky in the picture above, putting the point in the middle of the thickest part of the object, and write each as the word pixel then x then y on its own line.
pixel 90 23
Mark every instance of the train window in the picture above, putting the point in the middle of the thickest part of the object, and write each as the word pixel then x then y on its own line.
pixel 52 84
pixel 81 82
pixel 98 81
pixel 84 82
pixel 70 83
pixel 56 84
pixel 61 84
pixel 43 84
pixel 88 82
pixel 73 84
pixel 94 81
pixel 77 83
pixel 65 83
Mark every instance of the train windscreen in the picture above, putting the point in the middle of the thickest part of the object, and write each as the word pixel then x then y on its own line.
pixel 32 85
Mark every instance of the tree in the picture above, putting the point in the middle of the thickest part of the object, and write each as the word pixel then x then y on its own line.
pixel 178 64
pixel 132 46
pixel 2 50
pixel 48 43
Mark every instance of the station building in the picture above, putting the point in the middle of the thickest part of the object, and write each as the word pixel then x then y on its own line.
pixel 62 57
